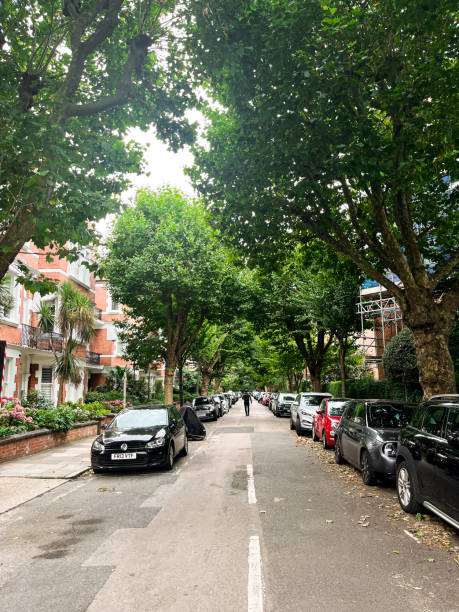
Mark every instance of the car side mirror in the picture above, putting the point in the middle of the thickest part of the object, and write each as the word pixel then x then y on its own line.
pixel 103 427
pixel 454 440
pixel 320 412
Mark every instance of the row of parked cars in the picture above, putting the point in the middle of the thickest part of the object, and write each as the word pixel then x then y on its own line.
pixel 418 445
pixel 212 407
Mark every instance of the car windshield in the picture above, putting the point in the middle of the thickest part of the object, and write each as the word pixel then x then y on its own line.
pixel 286 398
pixel 336 408
pixel 133 419
pixel 312 400
pixel 199 401
pixel 388 416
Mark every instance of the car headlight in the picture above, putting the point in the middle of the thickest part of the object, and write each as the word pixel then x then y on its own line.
pixel 156 443
pixel 304 412
pixel 96 445
pixel 390 449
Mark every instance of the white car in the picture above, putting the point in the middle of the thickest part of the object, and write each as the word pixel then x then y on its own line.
pixel 303 410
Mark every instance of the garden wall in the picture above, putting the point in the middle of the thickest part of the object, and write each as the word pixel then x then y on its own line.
pixel 32 442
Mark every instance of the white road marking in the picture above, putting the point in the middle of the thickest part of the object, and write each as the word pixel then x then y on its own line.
pixel 255 585
pixel 72 490
pixel 412 536
pixel 251 485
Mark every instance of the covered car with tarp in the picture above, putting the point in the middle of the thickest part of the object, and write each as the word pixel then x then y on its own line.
pixel 195 429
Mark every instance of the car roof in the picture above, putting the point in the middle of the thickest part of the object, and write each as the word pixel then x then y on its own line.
pixel 341 399
pixel 315 393
pixel 388 401
pixel 150 407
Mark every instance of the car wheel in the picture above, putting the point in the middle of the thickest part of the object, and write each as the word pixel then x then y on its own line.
pixel 184 452
pixel 170 457
pixel 338 455
pixel 292 426
pixel 368 475
pixel 324 440
pixel 313 434
pixel 405 490
pixel 299 431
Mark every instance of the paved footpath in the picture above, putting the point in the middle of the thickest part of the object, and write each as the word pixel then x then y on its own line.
pixel 249 521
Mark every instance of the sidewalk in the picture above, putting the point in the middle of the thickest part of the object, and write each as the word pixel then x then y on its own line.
pixel 28 477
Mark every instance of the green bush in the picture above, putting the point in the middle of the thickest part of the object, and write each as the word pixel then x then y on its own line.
pixel 37 400
pixel 369 388
pixel 399 358
pixel 56 419
pixel 93 396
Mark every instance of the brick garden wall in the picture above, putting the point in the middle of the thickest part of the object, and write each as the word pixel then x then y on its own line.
pixel 32 442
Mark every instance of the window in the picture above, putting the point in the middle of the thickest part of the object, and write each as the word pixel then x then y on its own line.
pixel 350 411
pixel 8 383
pixel 433 420
pixel 46 383
pixel 359 414
pixel 80 272
pixel 11 311
pixel 452 426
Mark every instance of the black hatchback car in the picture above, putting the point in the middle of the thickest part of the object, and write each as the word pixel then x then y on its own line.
pixel 428 459
pixel 367 436
pixel 143 436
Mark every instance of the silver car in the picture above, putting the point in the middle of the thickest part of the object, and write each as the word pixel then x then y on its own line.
pixel 303 410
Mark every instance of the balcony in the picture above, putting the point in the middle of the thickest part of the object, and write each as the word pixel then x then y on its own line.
pixel 33 337
pixel 93 358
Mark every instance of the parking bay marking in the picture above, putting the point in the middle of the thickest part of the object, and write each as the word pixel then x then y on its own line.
pixel 251 485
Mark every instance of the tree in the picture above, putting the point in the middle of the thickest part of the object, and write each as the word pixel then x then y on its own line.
pixel 167 266
pixel 206 351
pixel 75 320
pixel 74 77
pixel 399 358
pixel 339 121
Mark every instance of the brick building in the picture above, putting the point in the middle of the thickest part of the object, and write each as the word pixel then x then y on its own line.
pixel 30 359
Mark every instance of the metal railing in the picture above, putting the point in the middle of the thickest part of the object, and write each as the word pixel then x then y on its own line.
pixel 33 337
pixel 93 358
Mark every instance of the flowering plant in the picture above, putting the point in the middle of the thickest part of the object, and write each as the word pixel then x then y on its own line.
pixel 14 418
pixel 116 405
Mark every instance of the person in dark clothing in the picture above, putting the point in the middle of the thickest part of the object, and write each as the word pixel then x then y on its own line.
pixel 247 401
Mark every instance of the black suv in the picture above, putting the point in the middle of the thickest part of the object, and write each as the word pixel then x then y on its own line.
pixel 428 459
pixel 367 436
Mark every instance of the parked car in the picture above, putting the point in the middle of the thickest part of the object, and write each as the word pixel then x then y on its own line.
pixel 142 436
pixel 206 408
pixel 272 399
pixel 225 403
pixel 367 436
pixel 428 459
pixel 282 403
pixel 327 419
pixel 218 400
pixel 303 409
pixel 265 399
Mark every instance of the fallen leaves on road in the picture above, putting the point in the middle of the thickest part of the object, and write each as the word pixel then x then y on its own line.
pixel 328 521
pixel 430 530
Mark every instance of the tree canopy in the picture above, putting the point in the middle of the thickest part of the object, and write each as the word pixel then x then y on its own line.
pixel 74 77
pixel 339 121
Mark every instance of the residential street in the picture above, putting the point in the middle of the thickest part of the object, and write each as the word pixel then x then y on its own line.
pixel 250 520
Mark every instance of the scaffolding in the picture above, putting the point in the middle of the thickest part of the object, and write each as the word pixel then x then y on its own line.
pixel 381 309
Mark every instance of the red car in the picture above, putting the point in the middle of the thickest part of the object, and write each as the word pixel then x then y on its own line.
pixel 265 399
pixel 327 418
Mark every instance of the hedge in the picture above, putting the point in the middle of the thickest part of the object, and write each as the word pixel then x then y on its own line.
pixel 369 388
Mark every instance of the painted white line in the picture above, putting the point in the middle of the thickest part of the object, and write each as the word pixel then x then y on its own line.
pixel 255 585
pixel 251 485
pixel 412 536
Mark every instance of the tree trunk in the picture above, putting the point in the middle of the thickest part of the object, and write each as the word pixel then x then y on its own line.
pixel 206 378
pixel 217 385
pixel 180 377
pixel 291 387
pixel 169 380
pixel 342 365
pixel 436 369
pixel 315 373
pixel 431 324
pixel 198 377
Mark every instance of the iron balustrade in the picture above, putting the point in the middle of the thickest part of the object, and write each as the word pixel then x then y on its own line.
pixel 33 337
pixel 93 358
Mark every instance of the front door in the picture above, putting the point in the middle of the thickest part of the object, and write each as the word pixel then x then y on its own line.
pixel 448 462
pixel 429 445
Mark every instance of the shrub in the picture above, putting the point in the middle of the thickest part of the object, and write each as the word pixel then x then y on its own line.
pixel 399 358
pixel 38 401
pixel 80 415
pixel 14 418
pixel 56 419
pixel 93 396
pixel 116 405
pixel 368 388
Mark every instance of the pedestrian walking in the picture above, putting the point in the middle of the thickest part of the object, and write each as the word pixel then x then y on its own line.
pixel 247 401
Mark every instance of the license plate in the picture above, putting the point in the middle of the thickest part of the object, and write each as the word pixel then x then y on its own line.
pixel 124 455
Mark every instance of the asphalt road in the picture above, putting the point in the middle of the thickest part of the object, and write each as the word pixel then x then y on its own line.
pixel 250 520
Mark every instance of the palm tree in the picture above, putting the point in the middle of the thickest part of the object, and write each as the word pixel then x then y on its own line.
pixel 75 318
